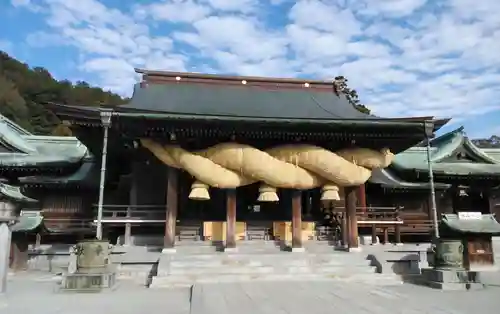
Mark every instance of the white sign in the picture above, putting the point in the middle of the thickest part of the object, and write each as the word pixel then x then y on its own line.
pixel 470 215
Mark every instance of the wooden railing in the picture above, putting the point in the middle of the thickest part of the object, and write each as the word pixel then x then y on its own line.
pixel 385 221
pixel 127 214
pixel 68 225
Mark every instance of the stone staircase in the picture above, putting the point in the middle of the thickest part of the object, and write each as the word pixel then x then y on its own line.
pixel 265 262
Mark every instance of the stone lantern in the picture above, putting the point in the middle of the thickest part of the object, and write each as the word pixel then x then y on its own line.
pixel 9 214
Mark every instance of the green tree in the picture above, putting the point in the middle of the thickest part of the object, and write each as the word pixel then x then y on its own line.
pixel 491 142
pixel 12 105
pixel 351 94
pixel 24 90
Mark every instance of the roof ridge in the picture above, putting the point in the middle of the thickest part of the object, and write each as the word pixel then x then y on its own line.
pixel 11 124
pixel 227 77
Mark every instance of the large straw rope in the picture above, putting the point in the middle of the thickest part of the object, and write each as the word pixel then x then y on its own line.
pixel 230 165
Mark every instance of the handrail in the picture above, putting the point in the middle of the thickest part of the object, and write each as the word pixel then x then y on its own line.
pixel 372 208
pixel 129 206
pixel 380 222
pixel 68 223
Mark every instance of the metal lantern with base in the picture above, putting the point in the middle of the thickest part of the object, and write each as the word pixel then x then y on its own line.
pixel 464 252
pixel 90 268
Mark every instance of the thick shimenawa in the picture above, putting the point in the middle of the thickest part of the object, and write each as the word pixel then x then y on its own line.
pixel 300 166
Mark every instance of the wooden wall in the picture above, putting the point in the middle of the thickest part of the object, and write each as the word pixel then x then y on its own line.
pixel 151 179
pixel 495 206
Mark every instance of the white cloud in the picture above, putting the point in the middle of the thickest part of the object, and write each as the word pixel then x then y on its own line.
pixel 394 8
pixel 233 5
pixel 405 57
pixel 176 11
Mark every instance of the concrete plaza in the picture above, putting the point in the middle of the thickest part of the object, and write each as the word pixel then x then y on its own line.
pixel 35 293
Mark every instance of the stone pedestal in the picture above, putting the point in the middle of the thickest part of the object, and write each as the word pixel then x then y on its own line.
pixel 451 279
pixel 5 238
pixel 88 282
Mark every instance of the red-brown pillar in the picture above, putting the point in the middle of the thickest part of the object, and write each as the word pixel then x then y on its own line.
pixel 19 260
pixel 362 197
pixel 345 235
pixel 231 219
pixel 297 221
pixel 352 221
pixel 171 215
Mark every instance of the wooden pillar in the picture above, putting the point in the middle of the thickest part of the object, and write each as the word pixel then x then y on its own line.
pixel 345 235
pixel 374 234
pixel 352 221
pixel 397 235
pixel 386 235
pixel 171 215
pixel 362 197
pixel 297 221
pixel 397 230
pixel 231 219
pixel 19 251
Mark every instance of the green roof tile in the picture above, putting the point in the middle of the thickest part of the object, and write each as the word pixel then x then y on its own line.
pixel 486 225
pixel 28 150
pixel 28 221
pixel 14 193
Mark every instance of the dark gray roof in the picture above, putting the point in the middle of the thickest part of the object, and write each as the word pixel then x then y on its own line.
pixel 243 101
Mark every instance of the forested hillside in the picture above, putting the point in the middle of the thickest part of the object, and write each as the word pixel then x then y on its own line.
pixel 23 90
pixel 492 142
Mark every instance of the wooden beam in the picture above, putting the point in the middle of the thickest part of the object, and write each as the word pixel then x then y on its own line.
pixel 352 221
pixel 296 220
pixel 171 207
pixel 231 219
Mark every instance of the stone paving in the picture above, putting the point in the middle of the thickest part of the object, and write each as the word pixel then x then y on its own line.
pixel 35 294
pixel 329 297
pixel 30 293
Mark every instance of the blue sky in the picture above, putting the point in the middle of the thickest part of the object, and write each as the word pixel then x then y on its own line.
pixel 405 57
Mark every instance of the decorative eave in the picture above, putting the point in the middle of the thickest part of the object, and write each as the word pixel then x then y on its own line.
pixel 87 176
pixel 480 165
pixel 14 193
pixel 486 225
pixel 77 115
pixel 386 179
pixel 28 221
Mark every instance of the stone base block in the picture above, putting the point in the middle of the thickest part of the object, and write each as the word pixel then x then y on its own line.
pixel 298 250
pixel 231 249
pixel 367 240
pixel 451 279
pixel 168 250
pixel 354 249
pixel 454 286
pixel 80 282
pixel 450 275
